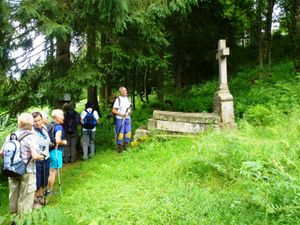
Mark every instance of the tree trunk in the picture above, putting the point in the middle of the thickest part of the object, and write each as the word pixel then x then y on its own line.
pixel 91 58
pixel 179 79
pixel 133 87
pixel 160 82
pixel 62 66
pixel 268 35
pixel 260 38
pixel 63 56
pixel 297 37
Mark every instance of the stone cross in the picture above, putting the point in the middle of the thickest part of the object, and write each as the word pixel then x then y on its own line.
pixel 223 100
pixel 222 54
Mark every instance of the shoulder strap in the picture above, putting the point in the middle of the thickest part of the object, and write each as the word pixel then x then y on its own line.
pixel 22 136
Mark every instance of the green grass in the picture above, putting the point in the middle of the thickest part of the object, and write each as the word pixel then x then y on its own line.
pixel 250 176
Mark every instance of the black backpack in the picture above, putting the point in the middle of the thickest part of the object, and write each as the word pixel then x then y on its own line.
pixel 51 132
pixel 70 122
pixel 13 164
pixel 89 122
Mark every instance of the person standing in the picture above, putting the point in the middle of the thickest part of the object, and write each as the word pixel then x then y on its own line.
pixel 45 118
pixel 21 189
pixel 42 166
pixel 89 119
pixel 122 111
pixel 71 120
pixel 56 133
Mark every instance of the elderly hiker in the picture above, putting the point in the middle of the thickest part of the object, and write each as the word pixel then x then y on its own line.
pixel 56 133
pixel 45 118
pixel 22 189
pixel 42 166
pixel 122 110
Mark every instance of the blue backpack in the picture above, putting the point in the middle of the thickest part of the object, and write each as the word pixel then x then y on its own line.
pixel 89 121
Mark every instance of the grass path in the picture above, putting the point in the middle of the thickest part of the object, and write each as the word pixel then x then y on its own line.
pixel 136 187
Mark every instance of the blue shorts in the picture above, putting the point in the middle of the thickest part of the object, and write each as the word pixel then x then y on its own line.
pixel 56 159
pixel 41 174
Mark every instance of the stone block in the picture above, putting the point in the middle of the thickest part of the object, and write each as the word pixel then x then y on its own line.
pixel 181 127
pixel 203 118
pixel 141 132
pixel 151 124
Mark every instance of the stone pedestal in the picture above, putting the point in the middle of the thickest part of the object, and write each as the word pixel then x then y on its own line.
pixel 223 106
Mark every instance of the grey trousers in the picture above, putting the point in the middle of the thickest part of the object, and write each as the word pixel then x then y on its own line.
pixel 70 148
pixel 88 139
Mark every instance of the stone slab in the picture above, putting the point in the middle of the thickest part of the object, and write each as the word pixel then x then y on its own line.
pixel 197 118
pixel 141 132
pixel 181 127
pixel 151 124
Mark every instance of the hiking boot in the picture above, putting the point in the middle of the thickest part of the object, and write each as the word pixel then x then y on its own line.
pixel 37 206
pixel 49 192
pixel 120 148
pixel 125 146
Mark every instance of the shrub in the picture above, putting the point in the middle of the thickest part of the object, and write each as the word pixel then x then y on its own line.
pixel 260 115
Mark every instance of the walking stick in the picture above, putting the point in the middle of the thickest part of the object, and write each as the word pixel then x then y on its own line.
pixel 58 173
pixel 44 192
pixel 123 121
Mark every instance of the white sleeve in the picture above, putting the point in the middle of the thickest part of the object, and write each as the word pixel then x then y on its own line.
pixel 96 115
pixel 83 114
pixel 116 103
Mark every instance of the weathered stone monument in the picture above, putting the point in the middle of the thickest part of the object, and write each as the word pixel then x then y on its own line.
pixel 179 122
pixel 223 100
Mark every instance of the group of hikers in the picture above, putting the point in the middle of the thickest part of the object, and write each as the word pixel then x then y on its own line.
pixel 44 147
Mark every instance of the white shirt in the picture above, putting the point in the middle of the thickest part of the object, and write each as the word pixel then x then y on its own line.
pixel 122 104
pixel 43 141
pixel 95 113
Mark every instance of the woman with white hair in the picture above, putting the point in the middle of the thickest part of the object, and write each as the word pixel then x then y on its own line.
pixel 21 189
pixel 56 133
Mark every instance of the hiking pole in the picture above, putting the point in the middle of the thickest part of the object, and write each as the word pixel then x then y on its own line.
pixel 44 168
pixel 123 121
pixel 44 194
pixel 58 173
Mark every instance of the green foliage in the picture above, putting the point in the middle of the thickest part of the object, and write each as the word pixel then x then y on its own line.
pixel 266 101
pixel 44 216
pixel 260 115
pixel 52 17
pixel 5 36
pixel 196 99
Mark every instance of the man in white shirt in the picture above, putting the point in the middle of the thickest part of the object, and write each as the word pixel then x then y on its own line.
pixel 122 110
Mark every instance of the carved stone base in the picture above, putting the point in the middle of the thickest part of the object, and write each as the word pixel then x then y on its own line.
pixel 223 106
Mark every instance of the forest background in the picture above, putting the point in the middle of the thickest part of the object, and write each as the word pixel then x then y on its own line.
pixel 92 47
pixel 165 50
